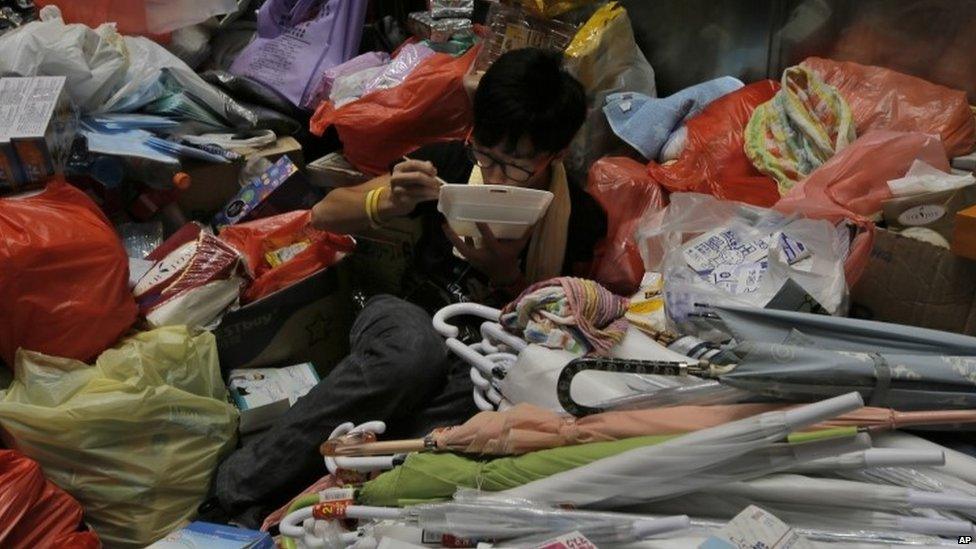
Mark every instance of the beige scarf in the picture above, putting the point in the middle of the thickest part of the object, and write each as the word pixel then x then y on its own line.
pixel 547 248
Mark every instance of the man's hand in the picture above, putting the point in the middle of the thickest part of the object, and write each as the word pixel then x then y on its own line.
pixel 412 182
pixel 498 259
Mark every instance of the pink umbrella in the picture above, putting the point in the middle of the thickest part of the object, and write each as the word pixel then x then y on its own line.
pixel 526 428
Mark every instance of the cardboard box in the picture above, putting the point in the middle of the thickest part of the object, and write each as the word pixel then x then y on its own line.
pixel 333 170
pixel 203 535
pixel 306 322
pixel 215 184
pixel 283 188
pixel 37 127
pixel 264 394
pixel 915 283
pixel 935 210
pixel 964 234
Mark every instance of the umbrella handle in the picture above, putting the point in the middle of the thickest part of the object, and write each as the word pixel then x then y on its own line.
pixel 494 330
pixel 614 365
pixel 377 427
pixel 459 309
pixel 481 402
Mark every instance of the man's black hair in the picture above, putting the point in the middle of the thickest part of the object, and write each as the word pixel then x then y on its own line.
pixel 527 92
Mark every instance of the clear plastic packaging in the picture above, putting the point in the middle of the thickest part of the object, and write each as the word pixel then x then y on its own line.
pixel 140 239
pixel 494 517
pixel 441 9
pixel 714 252
pixel 512 28
pixel 423 26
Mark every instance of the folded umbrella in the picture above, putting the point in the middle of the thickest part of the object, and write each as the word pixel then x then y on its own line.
pixel 802 373
pixel 875 458
pixel 901 381
pixel 527 428
pixel 844 523
pixel 490 519
pixel 826 492
pixel 841 334
pixel 426 477
pixel 685 463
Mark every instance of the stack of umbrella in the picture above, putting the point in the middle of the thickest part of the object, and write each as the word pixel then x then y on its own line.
pixel 708 461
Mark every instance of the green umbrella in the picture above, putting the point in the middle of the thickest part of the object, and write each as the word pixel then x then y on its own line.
pixel 426 477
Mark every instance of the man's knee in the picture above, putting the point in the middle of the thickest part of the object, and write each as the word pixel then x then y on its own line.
pixel 400 334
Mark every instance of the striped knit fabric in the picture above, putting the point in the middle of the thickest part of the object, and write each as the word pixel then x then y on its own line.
pixel 574 314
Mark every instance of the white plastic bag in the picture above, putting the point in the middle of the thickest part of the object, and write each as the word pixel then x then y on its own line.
pixel 151 72
pixel 714 252
pixel 924 178
pixel 93 61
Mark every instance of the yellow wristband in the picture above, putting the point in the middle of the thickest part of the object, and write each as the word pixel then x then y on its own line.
pixel 368 204
pixel 376 206
pixel 373 207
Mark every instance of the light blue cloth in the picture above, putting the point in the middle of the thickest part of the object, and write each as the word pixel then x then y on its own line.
pixel 645 123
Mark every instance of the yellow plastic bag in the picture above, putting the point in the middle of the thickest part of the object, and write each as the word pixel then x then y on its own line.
pixel 135 438
pixel 605 58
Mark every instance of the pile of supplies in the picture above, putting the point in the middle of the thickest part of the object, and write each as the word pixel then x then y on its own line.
pixel 771 344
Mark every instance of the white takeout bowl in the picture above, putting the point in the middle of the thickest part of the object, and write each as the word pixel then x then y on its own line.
pixel 508 211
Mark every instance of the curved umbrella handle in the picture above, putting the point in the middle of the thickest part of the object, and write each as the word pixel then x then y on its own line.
pixel 333 465
pixel 614 365
pixel 495 331
pixel 458 309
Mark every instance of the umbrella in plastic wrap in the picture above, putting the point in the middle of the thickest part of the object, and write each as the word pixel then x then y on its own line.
pixel 875 458
pixel 847 522
pixel 957 463
pixel 828 492
pixel 805 373
pixel 841 334
pixel 526 428
pixel 494 520
pixel 688 462
pixel 901 381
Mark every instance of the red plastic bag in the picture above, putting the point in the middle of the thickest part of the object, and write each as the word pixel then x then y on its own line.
pixel 882 99
pixel 257 239
pixel 853 183
pixel 128 15
pixel 34 512
pixel 714 161
pixel 63 276
pixel 627 194
pixel 379 128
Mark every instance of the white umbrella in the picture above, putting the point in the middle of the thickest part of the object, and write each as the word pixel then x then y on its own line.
pixel 506 520
pixel 957 464
pixel 804 490
pixel 873 458
pixel 813 520
pixel 682 464
pixel 497 520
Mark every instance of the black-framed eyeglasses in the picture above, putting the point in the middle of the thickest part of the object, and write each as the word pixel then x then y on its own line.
pixel 485 160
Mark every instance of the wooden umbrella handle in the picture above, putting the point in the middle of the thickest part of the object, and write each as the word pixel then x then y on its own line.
pixel 373 448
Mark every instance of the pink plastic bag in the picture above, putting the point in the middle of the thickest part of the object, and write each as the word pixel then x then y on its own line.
pixel 627 194
pixel 853 183
pixel 857 177
pixel 882 99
